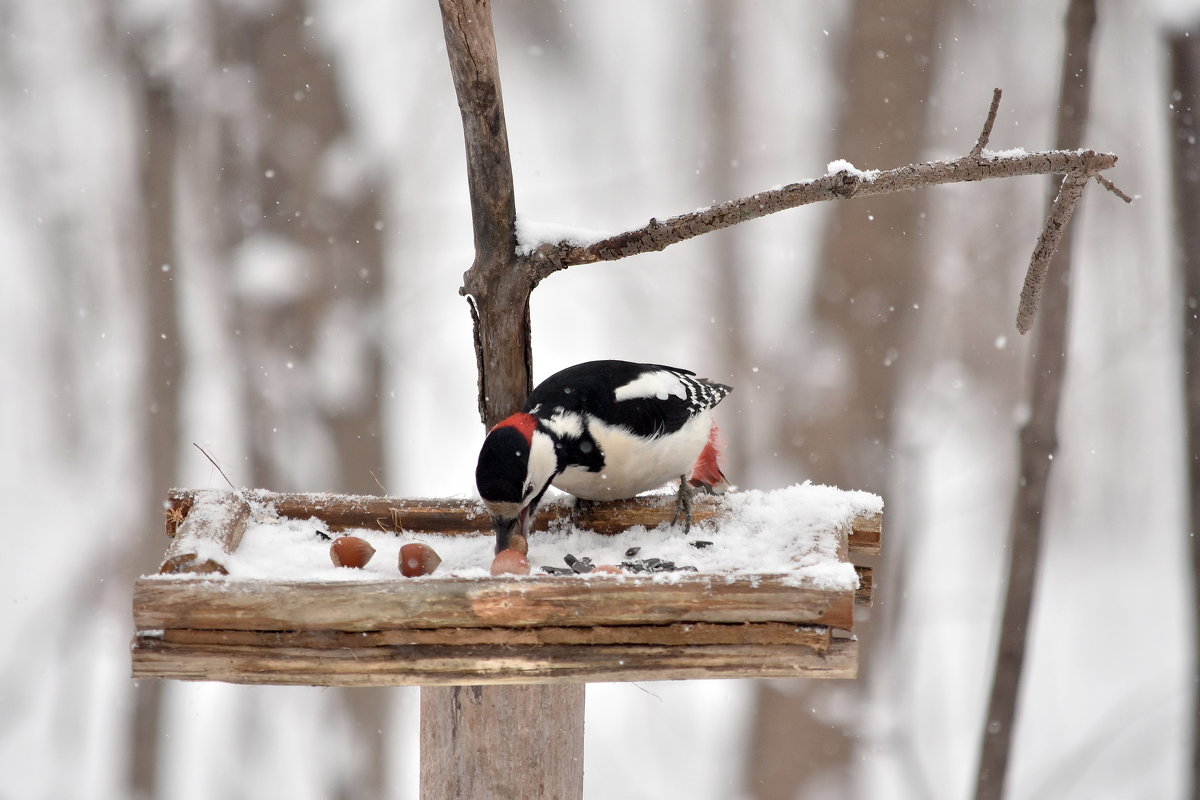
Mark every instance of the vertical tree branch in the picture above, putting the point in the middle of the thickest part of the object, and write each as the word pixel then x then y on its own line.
pixel 498 282
pixel 988 124
pixel 163 373
pixel 1039 437
pixel 1185 82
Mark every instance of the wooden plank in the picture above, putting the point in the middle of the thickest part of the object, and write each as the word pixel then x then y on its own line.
pixel 457 516
pixel 865 594
pixel 866 535
pixel 701 633
pixel 202 538
pixel 369 605
pixel 440 666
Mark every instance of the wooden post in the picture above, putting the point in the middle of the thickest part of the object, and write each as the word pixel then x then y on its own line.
pixel 502 741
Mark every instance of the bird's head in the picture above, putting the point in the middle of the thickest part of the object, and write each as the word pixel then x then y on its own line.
pixel 516 464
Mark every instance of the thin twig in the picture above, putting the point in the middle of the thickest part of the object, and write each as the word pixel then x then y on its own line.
pixel 1060 214
pixel 1112 187
pixel 213 461
pixel 986 133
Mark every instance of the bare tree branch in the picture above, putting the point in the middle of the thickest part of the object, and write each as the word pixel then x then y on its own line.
pixel 840 185
pixel 1061 210
pixel 1077 165
pixel 1039 435
pixel 986 133
pixel 1112 187
pixel 470 45
pixel 497 283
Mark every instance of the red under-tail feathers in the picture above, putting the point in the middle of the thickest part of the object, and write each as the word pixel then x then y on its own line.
pixel 707 471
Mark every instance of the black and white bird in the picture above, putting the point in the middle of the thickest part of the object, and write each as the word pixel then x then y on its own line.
pixel 601 430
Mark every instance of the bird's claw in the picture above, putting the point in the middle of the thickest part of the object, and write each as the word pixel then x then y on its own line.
pixel 683 504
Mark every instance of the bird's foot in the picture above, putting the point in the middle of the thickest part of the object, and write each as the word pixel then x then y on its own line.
pixel 581 511
pixel 683 504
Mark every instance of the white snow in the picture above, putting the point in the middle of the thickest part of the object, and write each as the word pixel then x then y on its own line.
pixel 1011 152
pixel 531 234
pixel 791 532
pixel 842 165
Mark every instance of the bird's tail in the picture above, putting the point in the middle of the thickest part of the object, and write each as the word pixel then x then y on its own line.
pixel 707 472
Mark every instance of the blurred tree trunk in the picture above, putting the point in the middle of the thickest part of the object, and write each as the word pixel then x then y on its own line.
pixel 1184 48
pixel 162 374
pixel 296 212
pixel 302 223
pixel 869 280
pixel 1039 435
pixel 730 267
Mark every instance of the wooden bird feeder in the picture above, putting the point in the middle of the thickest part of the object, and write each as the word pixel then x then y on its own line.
pixel 200 618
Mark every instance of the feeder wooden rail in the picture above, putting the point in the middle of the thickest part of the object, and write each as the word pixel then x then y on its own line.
pixel 193 623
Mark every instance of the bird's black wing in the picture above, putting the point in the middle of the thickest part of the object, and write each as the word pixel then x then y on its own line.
pixel 609 391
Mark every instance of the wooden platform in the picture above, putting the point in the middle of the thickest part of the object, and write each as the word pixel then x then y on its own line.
pixel 193 621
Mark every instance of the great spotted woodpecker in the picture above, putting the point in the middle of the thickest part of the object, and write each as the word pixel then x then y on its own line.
pixel 602 430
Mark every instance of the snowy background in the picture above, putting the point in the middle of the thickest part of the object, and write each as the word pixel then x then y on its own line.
pixel 169 278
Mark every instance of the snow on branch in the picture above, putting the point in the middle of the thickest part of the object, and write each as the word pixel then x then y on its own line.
pixel 843 182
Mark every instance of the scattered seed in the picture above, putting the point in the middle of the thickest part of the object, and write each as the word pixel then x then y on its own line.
pixel 324 536
pixel 655 565
pixel 633 551
pixel 700 544
pixel 558 570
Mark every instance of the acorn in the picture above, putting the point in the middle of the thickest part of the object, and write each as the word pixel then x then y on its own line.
pixel 417 558
pixel 510 562
pixel 350 551
pixel 607 569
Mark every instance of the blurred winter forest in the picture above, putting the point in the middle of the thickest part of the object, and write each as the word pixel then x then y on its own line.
pixel 244 223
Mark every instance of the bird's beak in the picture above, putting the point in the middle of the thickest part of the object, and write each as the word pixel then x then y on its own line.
pixel 503 526
pixel 510 531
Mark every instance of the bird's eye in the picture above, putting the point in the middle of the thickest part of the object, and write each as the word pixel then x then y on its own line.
pixel 527 491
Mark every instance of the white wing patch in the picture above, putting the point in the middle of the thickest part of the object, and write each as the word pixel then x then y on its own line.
pixel 658 384
pixel 565 424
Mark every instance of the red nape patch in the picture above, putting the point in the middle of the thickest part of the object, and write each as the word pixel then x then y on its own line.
pixel 525 423
pixel 707 471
